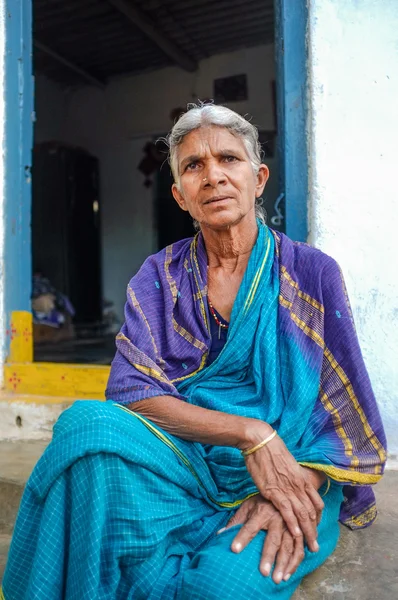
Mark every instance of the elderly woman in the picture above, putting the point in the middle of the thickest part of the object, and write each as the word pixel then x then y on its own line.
pixel 242 423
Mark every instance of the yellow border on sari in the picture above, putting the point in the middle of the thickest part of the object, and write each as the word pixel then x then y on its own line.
pixel 340 374
pixel 361 520
pixel 342 475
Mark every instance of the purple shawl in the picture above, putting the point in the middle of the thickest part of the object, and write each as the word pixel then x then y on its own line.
pixel 165 340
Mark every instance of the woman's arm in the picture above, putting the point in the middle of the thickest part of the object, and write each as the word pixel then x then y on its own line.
pixel 276 474
pixel 202 425
pixel 198 424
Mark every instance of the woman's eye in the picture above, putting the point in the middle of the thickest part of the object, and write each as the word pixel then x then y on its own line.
pixel 229 158
pixel 191 166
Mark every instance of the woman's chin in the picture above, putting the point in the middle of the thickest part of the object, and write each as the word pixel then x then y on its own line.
pixel 222 219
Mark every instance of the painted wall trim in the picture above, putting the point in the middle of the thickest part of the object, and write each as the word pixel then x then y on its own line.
pixel 291 21
pixel 16 271
pixel 2 175
pixel 56 380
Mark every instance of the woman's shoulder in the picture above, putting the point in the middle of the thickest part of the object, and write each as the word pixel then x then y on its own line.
pixel 303 258
pixel 160 262
pixel 308 269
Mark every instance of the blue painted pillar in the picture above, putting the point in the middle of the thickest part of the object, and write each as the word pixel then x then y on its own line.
pixel 18 157
pixel 291 57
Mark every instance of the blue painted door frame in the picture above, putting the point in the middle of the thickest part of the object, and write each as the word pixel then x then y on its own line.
pixel 19 89
pixel 291 17
pixel 290 34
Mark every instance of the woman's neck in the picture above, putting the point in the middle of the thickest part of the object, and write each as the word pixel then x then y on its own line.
pixel 230 248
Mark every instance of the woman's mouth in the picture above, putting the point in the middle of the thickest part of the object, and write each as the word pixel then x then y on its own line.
pixel 217 199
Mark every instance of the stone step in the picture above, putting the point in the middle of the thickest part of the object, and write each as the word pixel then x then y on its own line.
pixel 364 566
pixel 17 460
pixel 5 541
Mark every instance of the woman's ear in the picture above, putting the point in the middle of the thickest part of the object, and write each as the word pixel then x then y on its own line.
pixel 178 197
pixel 262 178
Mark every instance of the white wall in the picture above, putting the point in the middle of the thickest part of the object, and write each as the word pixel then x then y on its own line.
pixel 115 123
pixel 353 133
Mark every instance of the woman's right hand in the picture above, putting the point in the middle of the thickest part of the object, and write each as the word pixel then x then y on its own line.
pixel 279 549
pixel 280 479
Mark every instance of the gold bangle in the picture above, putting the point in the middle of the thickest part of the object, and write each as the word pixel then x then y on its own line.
pixel 260 445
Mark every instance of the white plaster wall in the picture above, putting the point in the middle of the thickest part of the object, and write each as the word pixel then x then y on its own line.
pixel 353 207
pixel 114 125
pixel 2 185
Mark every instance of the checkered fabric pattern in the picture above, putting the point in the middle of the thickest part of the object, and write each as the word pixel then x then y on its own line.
pixel 112 512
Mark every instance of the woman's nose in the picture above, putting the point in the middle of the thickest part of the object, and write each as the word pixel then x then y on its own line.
pixel 214 175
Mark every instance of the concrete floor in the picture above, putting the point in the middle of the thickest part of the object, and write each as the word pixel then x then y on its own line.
pixel 364 566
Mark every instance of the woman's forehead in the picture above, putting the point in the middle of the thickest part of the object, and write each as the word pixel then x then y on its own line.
pixel 211 139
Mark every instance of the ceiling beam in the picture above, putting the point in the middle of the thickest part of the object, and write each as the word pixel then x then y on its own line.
pixel 139 18
pixel 70 65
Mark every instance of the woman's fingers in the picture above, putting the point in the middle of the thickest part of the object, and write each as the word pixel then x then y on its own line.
pixel 283 558
pixel 238 518
pixel 280 546
pixel 296 559
pixel 280 500
pixel 300 517
pixel 247 532
pixel 271 546
pixel 316 500
pixel 307 518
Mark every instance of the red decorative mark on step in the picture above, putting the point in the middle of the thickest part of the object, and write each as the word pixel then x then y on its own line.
pixel 14 380
pixel 12 331
pixel 27 334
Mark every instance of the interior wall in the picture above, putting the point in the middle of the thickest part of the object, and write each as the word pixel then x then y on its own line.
pixel 115 123
pixel 51 103
pixel 353 211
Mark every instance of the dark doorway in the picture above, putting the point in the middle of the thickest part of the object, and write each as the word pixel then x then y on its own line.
pixel 172 223
pixel 66 244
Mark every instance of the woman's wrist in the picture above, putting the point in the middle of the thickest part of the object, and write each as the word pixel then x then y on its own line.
pixel 253 433
pixel 316 478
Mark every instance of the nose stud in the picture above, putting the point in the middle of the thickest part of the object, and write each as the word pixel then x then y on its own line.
pixel 204 178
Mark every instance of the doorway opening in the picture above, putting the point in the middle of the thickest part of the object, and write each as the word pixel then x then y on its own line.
pixel 110 78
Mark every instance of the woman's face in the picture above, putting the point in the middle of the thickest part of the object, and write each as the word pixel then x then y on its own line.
pixel 218 186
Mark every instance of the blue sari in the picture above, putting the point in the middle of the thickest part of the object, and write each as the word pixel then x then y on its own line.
pixel 119 509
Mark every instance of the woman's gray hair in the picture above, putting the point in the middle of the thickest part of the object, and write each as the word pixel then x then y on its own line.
pixel 209 114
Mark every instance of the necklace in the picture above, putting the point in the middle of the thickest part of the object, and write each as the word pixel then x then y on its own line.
pixel 217 320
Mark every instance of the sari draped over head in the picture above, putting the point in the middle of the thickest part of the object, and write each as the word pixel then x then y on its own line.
pixel 292 359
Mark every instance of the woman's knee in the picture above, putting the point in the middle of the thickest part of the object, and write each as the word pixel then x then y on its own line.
pixel 216 572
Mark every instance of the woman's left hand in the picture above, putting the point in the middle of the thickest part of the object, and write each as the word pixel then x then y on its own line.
pixel 281 480
pixel 256 514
